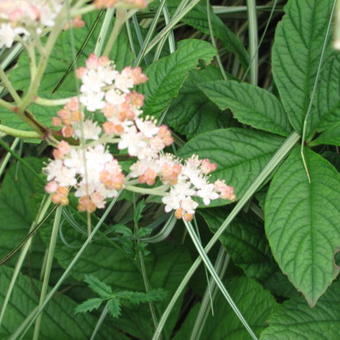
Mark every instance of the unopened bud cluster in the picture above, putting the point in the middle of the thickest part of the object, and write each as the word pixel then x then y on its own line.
pixel 82 160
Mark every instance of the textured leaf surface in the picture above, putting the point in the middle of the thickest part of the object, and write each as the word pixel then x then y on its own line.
pixel 245 242
pixel 58 321
pixel 294 320
pixel 329 137
pixel 198 19
pixel 250 104
pixel 247 294
pixel 327 112
pixel 240 154
pixel 89 305
pixel 167 75
pixel 190 112
pixel 302 222
pixel 299 39
pixel 20 196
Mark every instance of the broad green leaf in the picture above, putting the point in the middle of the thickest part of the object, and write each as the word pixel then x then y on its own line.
pixel 301 222
pixel 99 287
pixel 250 104
pixel 240 154
pixel 297 49
pixel 191 113
pixel 255 303
pixel 20 196
pixel 332 157
pixel 329 137
pixel 327 111
pixel 89 305
pixel 167 75
pixel 295 320
pixel 58 321
pixel 245 242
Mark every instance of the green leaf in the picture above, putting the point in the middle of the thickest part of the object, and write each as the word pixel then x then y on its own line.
pixel 245 242
pixel 301 222
pixel 59 321
pixel 297 49
pixel 140 297
pixel 240 154
pixel 89 305
pixel 329 137
pixel 113 306
pixel 167 75
pixel 327 111
pixel 191 113
pixel 20 195
pixel 295 320
pixel 99 287
pixel 255 303
pixel 250 104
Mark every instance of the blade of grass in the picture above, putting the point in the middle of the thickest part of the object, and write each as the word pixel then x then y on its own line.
pixel 221 265
pixel 253 41
pixel 48 267
pixel 217 279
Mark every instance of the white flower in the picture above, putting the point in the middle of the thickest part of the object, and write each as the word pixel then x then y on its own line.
pixel 114 97
pixel 88 130
pixel 133 141
pixel 147 127
pixel 178 193
pixel 8 34
pixel 207 193
pixel 64 176
pixel 92 100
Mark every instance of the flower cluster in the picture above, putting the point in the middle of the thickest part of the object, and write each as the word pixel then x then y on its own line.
pixel 121 3
pixel 21 17
pixel 82 159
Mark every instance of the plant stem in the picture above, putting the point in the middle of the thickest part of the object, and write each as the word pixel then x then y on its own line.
pixel 336 43
pixel 100 321
pixel 271 165
pixel 103 31
pixel 51 102
pixel 8 85
pixel 253 41
pixel 121 16
pixel 6 105
pixel 8 156
pixel 48 267
pixel 159 191
pixel 19 133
